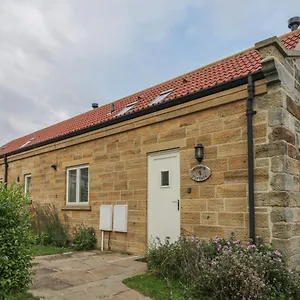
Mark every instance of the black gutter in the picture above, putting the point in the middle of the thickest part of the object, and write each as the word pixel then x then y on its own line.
pixel 5 169
pixel 250 113
pixel 257 75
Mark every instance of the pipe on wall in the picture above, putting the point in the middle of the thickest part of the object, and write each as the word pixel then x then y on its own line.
pixel 5 169
pixel 250 113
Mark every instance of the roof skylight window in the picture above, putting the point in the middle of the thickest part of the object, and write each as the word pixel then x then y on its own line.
pixel 24 145
pixel 127 108
pixel 162 96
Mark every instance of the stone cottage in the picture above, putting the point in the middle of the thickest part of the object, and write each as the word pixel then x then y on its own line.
pixel 140 150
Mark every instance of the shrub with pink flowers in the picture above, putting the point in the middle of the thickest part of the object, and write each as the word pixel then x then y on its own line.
pixel 224 269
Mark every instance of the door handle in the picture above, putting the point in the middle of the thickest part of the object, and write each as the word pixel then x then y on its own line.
pixel 178 207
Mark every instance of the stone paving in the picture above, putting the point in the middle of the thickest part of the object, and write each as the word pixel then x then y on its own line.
pixel 85 275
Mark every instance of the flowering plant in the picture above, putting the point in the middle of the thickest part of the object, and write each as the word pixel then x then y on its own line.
pixel 225 269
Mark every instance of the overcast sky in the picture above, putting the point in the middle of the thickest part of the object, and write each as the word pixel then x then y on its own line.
pixel 59 56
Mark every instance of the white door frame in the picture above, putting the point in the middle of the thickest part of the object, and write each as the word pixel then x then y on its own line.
pixel 150 156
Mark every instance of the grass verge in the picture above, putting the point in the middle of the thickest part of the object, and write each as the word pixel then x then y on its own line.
pixel 38 250
pixel 156 289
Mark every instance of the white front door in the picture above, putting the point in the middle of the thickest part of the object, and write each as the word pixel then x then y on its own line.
pixel 164 195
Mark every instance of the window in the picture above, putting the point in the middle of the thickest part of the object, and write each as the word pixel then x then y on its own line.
pixel 27 143
pixel 162 96
pixel 165 179
pixel 78 185
pixel 3 147
pixel 27 180
pixel 127 108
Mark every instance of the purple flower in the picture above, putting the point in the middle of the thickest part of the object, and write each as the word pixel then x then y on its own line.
pixel 251 247
pixel 213 262
pixel 217 239
pixel 236 242
pixel 219 247
pixel 276 252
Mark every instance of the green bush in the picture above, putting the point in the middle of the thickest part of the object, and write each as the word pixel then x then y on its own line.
pixel 225 269
pixel 84 238
pixel 15 241
pixel 173 261
pixel 47 226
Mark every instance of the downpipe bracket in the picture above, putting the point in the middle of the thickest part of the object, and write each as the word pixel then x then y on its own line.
pixel 250 112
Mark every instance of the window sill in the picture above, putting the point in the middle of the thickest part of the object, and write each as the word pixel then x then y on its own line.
pixel 77 207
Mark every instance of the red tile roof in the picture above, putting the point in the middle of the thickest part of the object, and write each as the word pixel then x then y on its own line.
pixel 230 68
pixel 291 40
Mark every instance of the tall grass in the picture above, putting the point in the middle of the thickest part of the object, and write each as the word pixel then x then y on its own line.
pixel 48 227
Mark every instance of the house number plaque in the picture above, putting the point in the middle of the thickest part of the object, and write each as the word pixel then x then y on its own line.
pixel 200 173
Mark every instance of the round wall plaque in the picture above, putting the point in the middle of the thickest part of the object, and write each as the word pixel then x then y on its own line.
pixel 200 173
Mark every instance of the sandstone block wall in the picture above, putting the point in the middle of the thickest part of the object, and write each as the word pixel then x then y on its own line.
pixel 117 159
pixel 281 150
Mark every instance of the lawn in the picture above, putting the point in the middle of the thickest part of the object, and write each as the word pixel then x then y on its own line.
pixel 155 288
pixel 158 289
pixel 38 250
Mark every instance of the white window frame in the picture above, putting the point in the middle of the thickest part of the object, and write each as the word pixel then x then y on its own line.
pixel 162 96
pixel 27 143
pixel 127 108
pixel 165 186
pixel 26 183
pixel 77 168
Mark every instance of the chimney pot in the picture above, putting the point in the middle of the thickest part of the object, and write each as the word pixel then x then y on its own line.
pixel 95 105
pixel 294 23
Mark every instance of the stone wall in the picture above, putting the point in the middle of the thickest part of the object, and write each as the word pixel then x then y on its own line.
pixel 281 151
pixel 117 158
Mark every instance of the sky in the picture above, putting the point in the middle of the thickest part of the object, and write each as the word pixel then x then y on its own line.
pixel 59 56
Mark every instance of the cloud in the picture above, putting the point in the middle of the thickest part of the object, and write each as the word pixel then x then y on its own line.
pixel 57 57
pixel 52 51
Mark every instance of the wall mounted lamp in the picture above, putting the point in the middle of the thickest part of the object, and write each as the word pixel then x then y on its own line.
pixel 54 167
pixel 199 152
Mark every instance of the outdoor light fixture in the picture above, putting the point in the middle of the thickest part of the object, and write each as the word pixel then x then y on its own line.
pixel 199 152
pixel 54 167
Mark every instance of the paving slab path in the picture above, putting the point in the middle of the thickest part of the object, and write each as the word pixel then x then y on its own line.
pixel 87 275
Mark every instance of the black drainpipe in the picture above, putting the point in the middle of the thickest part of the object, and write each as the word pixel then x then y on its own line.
pixel 250 113
pixel 5 169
